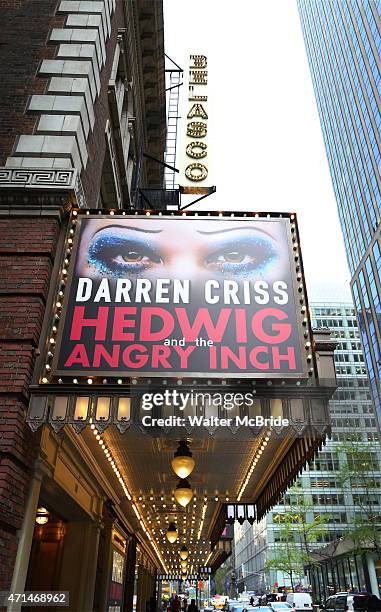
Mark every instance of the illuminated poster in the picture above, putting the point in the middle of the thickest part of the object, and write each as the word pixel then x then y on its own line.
pixel 181 296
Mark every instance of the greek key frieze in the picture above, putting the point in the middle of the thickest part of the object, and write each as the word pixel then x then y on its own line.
pixel 14 177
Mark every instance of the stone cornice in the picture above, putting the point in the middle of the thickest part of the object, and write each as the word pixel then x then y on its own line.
pixel 36 187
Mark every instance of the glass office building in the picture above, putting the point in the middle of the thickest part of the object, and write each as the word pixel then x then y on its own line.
pixel 353 421
pixel 343 45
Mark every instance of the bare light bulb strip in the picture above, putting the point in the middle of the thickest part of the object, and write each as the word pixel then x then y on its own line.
pixel 202 519
pixel 114 466
pixel 253 464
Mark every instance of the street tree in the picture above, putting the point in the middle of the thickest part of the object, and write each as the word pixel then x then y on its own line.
pixel 286 557
pixel 357 477
pixel 300 530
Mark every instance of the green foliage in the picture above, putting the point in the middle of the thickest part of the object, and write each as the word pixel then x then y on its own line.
pixel 301 527
pixel 300 530
pixel 220 580
pixel 303 523
pixel 287 560
pixel 357 473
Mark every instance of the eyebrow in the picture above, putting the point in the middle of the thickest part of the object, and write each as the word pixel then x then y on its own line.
pixel 128 227
pixel 221 231
pixel 234 229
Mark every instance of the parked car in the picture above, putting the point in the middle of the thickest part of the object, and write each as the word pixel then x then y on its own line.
pixel 242 607
pixel 299 601
pixel 344 602
pixel 283 606
pixel 258 609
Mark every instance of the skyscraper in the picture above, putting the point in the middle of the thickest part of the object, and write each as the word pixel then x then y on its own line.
pixel 343 45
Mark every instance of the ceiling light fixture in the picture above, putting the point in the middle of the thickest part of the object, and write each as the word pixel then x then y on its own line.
pixel 172 533
pixel 184 553
pixel 183 462
pixel 42 516
pixel 183 493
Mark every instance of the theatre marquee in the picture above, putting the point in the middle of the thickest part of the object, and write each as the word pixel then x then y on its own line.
pixel 182 296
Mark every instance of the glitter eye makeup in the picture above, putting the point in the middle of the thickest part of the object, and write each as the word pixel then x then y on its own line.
pixel 119 252
pixel 113 254
pixel 246 256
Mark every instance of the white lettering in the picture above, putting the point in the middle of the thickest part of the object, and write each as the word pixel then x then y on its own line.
pixel 103 292
pixel 261 288
pixel 84 289
pixel 209 298
pixel 162 290
pixel 123 287
pixel 230 292
pixel 181 291
pixel 143 286
pixel 280 290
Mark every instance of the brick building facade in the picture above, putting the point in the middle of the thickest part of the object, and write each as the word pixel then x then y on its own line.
pixel 82 97
pixel 27 255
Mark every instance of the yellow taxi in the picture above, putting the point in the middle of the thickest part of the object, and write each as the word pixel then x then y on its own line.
pixel 218 602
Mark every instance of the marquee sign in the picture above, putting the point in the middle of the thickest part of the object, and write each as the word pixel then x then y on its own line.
pixel 179 296
pixel 195 138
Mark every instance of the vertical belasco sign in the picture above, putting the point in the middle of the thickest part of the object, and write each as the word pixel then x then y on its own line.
pixel 181 296
pixel 195 175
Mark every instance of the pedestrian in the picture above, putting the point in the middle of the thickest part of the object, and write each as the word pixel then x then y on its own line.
pixel 192 606
pixel 176 604
pixel 251 600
